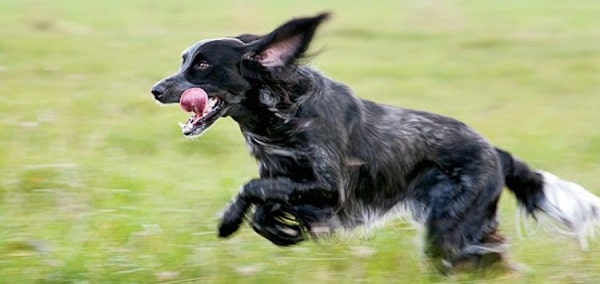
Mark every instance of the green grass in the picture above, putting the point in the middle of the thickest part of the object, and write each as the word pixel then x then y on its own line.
pixel 97 184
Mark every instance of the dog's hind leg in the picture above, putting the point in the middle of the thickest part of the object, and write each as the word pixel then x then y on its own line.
pixel 460 221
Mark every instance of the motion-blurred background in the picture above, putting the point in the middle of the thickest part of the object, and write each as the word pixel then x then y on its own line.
pixel 97 184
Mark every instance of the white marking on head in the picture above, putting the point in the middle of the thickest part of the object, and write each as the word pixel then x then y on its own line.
pixel 203 42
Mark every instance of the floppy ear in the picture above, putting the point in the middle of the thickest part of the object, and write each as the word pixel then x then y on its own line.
pixel 286 43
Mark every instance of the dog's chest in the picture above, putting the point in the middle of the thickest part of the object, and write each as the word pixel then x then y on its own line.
pixel 263 147
pixel 278 158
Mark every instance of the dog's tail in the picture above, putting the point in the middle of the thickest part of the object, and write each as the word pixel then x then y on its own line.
pixel 567 202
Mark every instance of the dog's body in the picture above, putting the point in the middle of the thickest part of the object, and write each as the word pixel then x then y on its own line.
pixel 329 159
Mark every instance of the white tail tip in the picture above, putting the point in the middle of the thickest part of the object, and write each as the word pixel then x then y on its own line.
pixel 575 207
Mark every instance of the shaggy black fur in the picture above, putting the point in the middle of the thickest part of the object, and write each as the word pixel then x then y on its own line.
pixel 329 159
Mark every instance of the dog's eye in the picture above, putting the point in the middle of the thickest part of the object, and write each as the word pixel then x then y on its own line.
pixel 201 65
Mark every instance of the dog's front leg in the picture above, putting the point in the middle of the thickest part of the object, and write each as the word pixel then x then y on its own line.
pixel 233 216
pixel 255 191
pixel 282 190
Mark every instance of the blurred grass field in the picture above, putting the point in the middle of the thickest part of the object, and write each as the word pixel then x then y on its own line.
pixel 97 184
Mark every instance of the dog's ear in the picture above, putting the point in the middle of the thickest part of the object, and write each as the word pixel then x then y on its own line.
pixel 286 43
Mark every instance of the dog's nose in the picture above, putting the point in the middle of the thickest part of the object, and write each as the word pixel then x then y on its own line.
pixel 158 90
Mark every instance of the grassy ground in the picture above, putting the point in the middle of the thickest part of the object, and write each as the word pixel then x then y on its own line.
pixel 98 186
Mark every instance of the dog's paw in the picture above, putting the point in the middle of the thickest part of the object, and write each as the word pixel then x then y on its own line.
pixel 228 227
pixel 233 218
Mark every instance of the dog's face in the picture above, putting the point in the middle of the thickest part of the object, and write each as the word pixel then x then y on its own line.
pixel 213 66
pixel 231 70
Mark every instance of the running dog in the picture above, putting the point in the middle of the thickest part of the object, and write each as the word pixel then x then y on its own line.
pixel 330 160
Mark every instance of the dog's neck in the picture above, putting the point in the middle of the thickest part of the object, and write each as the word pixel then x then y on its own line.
pixel 268 125
pixel 275 106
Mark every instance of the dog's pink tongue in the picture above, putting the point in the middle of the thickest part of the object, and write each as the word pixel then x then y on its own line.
pixel 194 100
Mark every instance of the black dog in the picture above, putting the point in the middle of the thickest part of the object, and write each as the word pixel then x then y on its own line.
pixel 329 159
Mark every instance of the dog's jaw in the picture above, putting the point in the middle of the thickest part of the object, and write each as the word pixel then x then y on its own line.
pixel 198 124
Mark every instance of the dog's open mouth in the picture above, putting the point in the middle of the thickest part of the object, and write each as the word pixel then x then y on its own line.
pixel 206 110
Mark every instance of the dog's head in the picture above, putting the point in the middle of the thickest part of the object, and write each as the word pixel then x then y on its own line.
pixel 222 77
